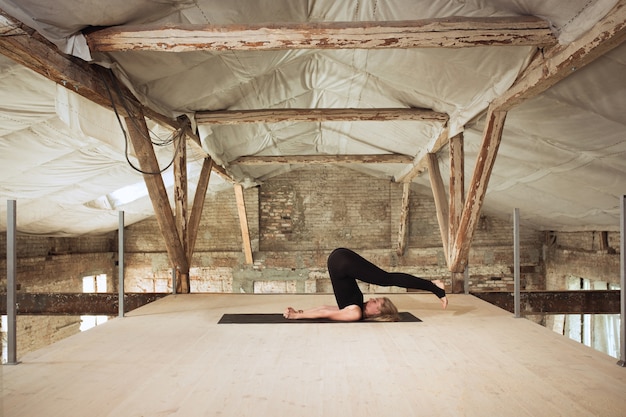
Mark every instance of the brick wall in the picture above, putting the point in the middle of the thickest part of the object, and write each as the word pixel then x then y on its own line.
pixel 324 207
pixel 298 218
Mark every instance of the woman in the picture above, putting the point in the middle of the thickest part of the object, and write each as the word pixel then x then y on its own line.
pixel 345 267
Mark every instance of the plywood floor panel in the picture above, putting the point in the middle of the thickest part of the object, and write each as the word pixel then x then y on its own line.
pixel 171 358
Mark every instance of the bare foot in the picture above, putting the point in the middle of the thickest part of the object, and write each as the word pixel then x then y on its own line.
pixel 444 300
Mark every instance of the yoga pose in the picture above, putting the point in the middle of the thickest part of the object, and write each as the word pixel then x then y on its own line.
pixel 345 267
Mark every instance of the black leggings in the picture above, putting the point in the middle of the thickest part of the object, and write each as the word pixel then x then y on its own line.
pixel 346 267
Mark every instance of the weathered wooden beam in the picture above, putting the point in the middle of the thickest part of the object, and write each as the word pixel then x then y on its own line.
pixel 139 136
pixel 449 32
pixel 403 231
pixel 243 221
pixel 323 159
pixel 457 184
pixel 181 203
pixel 457 201
pixel 561 61
pixel 441 199
pixel 76 304
pixel 232 117
pixel 198 205
pixel 459 251
pixel 557 302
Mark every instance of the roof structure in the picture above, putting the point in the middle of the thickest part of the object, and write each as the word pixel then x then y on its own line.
pixel 535 89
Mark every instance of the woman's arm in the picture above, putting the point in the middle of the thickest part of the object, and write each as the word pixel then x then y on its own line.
pixel 349 313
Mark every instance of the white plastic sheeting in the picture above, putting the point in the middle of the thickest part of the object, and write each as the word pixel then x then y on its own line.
pixel 561 160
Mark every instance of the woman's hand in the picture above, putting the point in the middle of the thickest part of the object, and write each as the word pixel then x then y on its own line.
pixel 290 313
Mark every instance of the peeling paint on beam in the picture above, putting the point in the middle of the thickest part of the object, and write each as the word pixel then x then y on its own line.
pixel 451 32
pixel 76 304
pixel 231 117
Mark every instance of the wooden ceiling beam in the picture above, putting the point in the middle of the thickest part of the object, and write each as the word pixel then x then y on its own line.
pixel 323 159
pixel 233 117
pixel 448 32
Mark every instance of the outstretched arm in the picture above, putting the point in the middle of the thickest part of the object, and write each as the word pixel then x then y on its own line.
pixel 349 313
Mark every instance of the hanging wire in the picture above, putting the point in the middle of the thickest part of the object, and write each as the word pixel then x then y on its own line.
pixel 152 137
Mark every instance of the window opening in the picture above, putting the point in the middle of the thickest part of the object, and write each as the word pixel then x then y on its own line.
pixel 598 331
pixel 4 326
pixel 93 283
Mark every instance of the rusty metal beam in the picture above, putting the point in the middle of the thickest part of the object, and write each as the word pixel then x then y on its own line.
pixel 557 302
pixel 76 304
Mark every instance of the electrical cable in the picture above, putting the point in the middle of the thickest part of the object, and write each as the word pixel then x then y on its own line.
pixel 177 134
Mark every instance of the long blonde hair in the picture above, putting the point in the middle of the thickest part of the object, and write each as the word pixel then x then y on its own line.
pixel 388 312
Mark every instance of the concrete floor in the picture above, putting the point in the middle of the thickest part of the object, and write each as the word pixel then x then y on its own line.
pixel 171 358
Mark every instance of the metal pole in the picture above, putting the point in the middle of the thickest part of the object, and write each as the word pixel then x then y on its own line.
pixel 173 280
pixel 622 257
pixel 11 283
pixel 120 235
pixel 516 261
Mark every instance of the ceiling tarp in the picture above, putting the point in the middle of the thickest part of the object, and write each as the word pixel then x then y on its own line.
pixel 560 160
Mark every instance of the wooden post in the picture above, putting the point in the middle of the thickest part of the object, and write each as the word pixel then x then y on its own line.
pixel 243 220
pixel 198 205
pixel 441 200
pixel 403 233
pixel 181 197
pixel 459 281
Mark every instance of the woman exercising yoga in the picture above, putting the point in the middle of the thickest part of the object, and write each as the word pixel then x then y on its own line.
pixel 345 267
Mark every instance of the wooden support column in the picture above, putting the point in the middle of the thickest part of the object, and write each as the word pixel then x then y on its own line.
pixel 181 198
pixel 198 206
pixel 140 138
pixel 243 220
pixel 478 188
pixel 457 200
pixel 404 219
pixel 441 200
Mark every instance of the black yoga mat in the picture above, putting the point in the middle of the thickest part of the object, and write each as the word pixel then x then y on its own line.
pixel 278 318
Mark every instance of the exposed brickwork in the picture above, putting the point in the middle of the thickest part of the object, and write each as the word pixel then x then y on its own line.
pixel 324 207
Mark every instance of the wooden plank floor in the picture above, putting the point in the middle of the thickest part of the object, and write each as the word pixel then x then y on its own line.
pixel 171 358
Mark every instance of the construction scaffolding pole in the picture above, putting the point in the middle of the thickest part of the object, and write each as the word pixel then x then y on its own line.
pixel 622 325
pixel 11 283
